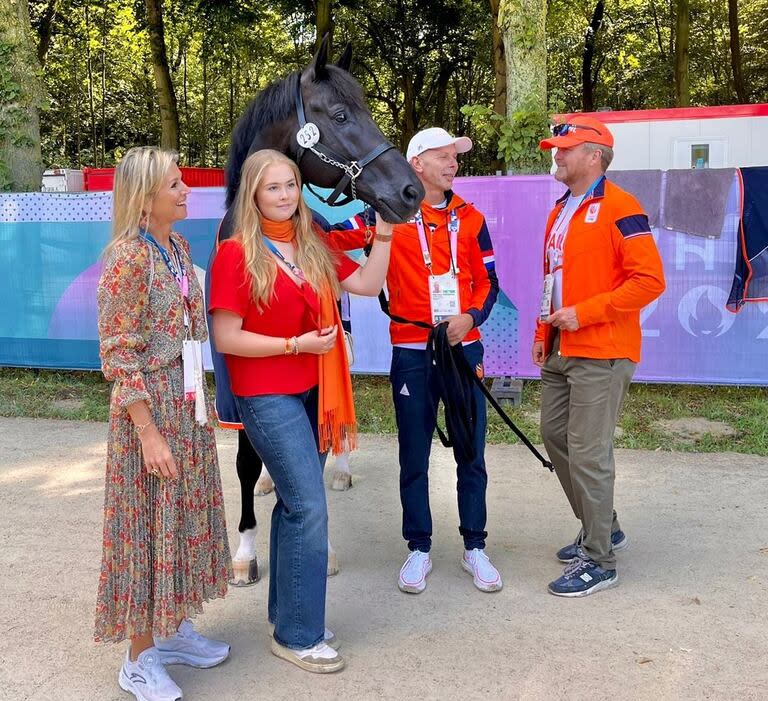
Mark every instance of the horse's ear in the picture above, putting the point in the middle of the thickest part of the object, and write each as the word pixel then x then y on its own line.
pixel 345 61
pixel 319 70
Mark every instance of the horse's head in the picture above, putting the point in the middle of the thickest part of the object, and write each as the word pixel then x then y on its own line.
pixel 333 101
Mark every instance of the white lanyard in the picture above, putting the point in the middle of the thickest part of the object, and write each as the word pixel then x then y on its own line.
pixel 453 243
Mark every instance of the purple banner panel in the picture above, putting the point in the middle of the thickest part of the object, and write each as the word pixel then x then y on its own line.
pixel 688 335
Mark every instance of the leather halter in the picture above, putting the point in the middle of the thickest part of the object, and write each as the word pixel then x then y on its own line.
pixel 351 169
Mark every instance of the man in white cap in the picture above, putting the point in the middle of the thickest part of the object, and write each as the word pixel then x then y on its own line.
pixel 441 270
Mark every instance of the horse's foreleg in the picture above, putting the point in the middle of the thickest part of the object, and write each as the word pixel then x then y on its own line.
pixel 342 477
pixel 333 560
pixel 249 467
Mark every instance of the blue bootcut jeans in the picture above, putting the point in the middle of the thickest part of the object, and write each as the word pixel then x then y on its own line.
pixel 415 427
pixel 283 430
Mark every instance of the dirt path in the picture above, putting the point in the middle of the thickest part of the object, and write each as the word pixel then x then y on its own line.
pixel 688 620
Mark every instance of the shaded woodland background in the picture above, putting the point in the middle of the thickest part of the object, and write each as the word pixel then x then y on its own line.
pixel 102 76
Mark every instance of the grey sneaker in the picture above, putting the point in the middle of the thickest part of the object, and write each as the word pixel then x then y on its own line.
pixel 320 658
pixel 147 678
pixel 619 541
pixel 190 648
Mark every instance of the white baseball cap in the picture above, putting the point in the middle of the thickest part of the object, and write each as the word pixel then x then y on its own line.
pixel 435 137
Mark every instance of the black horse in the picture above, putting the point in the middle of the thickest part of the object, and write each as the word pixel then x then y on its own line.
pixel 317 117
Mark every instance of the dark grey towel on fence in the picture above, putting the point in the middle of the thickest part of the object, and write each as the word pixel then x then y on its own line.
pixel 694 200
pixel 643 184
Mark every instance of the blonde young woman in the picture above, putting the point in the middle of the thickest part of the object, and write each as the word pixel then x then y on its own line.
pixel 165 543
pixel 274 287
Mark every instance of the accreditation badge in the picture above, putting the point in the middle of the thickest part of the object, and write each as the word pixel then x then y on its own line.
pixel 194 379
pixel 546 296
pixel 444 296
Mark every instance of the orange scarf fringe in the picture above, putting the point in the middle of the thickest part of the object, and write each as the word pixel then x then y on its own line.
pixel 336 420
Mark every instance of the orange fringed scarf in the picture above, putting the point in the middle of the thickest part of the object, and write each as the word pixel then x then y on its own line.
pixel 336 421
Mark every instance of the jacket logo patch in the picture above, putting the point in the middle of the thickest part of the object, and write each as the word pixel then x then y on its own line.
pixel 592 211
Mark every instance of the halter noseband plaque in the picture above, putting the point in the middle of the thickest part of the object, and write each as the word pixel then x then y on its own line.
pixel 308 137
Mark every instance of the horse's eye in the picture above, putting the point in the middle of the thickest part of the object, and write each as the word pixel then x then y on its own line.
pixel 340 117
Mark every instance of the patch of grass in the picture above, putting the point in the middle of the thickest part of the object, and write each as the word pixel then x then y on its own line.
pixel 54 394
pixel 85 396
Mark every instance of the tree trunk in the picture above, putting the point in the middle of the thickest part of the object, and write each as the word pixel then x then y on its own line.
pixel 409 113
pixel 89 63
pixel 324 23
pixel 103 84
pixel 204 126
pixel 45 31
pixel 20 160
pixel 682 41
pixel 441 92
pixel 738 76
pixel 169 115
pixel 499 62
pixel 588 81
pixel 523 24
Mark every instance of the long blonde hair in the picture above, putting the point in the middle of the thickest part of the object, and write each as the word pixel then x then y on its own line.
pixel 138 178
pixel 312 255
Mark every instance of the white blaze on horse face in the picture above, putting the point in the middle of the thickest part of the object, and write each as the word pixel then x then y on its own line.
pixel 277 195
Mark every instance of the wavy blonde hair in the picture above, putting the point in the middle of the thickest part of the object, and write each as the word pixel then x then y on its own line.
pixel 312 255
pixel 138 178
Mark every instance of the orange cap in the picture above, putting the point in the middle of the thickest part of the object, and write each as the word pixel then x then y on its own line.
pixel 579 129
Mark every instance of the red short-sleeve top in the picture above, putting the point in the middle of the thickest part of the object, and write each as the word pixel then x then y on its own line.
pixel 292 311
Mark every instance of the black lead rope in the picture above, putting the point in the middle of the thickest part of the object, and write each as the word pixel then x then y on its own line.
pixel 455 378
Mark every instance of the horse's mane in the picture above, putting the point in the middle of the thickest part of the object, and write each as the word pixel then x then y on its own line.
pixel 276 103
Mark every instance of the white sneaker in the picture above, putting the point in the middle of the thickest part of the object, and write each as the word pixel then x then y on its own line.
pixel 413 573
pixel 485 576
pixel 329 637
pixel 147 678
pixel 190 648
pixel 320 658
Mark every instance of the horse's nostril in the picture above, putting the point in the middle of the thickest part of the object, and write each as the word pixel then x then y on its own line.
pixel 410 193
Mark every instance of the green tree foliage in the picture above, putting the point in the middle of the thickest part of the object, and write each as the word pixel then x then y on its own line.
pixel 419 61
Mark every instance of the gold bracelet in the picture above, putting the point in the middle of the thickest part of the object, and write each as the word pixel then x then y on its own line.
pixel 288 342
pixel 141 427
pixel 383 238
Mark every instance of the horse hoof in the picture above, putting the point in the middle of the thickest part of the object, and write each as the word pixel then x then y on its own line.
pixel 264 487
pixel 333 564
pixel 342 481
pixel 245 572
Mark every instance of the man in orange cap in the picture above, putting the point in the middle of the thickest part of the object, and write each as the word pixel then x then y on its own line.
pixel 601 267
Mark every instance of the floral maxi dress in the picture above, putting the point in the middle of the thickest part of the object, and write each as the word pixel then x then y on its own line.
pixel 165 548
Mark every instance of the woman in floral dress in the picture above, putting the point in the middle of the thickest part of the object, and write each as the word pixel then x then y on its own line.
pixel 165 543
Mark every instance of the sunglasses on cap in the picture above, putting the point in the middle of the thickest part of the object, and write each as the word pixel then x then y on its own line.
pixel 563 129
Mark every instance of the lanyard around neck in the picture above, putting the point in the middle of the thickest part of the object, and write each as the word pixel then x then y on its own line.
pixel 453 240
pixel 295 269
pixel 180 273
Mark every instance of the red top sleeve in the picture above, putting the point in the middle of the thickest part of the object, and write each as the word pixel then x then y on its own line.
pixel 230 283
pixel 345 266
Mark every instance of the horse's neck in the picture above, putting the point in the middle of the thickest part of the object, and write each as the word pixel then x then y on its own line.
pixel 276 136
